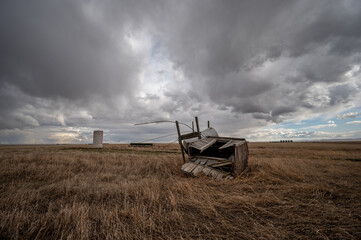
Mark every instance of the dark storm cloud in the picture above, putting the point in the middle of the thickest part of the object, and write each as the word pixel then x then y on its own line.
pixel 62 57
pixel 341 93
pixel 218 37
pixel 221 45
pixel 72 63
pixel 56 48
pixel 327 22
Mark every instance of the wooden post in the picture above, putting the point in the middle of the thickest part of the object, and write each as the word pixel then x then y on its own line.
pixel 198 131
pixel 192 126
pixel 209 124
pixel 180 141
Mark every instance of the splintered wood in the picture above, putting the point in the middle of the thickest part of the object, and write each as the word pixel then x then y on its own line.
pixel 217 157
pixel 211 155
pixel 194 169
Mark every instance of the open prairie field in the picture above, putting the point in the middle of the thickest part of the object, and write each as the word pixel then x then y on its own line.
pixel 289 191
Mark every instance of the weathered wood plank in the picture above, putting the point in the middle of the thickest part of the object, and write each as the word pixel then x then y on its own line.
pixel 190 167
pixel 197 161
pixel 214 173
pixel 229 138
pixel 180 141
pixel 232 143
pixel 240 158
pixel 189 135
pixel 198 130
pixel 202 144
pixel 214 158
pixel 221 164
pixel 184 166
pixel 228 144
pixel 206 171
pixel 210 162
pixel 220 175
pixel 197 170
pixel 203 161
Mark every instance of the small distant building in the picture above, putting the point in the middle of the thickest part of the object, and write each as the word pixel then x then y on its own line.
pixel 98 138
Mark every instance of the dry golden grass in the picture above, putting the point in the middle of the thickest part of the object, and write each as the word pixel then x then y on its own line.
pixel 291 190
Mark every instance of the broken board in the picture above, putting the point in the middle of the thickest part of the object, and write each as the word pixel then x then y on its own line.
pixel 195 168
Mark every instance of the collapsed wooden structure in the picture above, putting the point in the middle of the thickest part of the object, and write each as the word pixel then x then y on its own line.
pixel 212 155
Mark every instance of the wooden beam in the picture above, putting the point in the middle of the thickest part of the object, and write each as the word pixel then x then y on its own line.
pixel 213 158
pixel 221 164
pixel 227 138
pixel 192 126
pixel 188 135
pixel 180 141
pixel 198 131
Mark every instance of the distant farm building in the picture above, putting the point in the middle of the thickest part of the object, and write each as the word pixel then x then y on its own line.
pixel 98 138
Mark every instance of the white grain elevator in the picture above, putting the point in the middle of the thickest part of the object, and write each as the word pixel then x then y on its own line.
pixel 98 138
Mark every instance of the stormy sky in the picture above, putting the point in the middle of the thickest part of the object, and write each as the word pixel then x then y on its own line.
pixel 264 70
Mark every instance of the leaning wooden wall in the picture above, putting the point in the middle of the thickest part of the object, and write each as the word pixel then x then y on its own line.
pixel 240 158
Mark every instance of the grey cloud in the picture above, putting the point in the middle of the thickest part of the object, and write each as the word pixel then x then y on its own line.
pixel 67 63
pixel 218 38
pixel 264 116
pixel 70 62
pixel 54 49
pixel 349 115
pixel 336 24
pixel 221 44
pixel 14 136
pixel 341 93
pixel 12 99
pixel 182 100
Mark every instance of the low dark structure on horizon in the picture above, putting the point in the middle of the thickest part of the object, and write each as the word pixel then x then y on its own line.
pixel 141 144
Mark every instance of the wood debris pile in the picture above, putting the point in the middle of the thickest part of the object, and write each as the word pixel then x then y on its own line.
pixel 211 155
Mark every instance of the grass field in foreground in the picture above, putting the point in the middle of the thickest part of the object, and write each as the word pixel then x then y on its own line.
pixel 290 190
